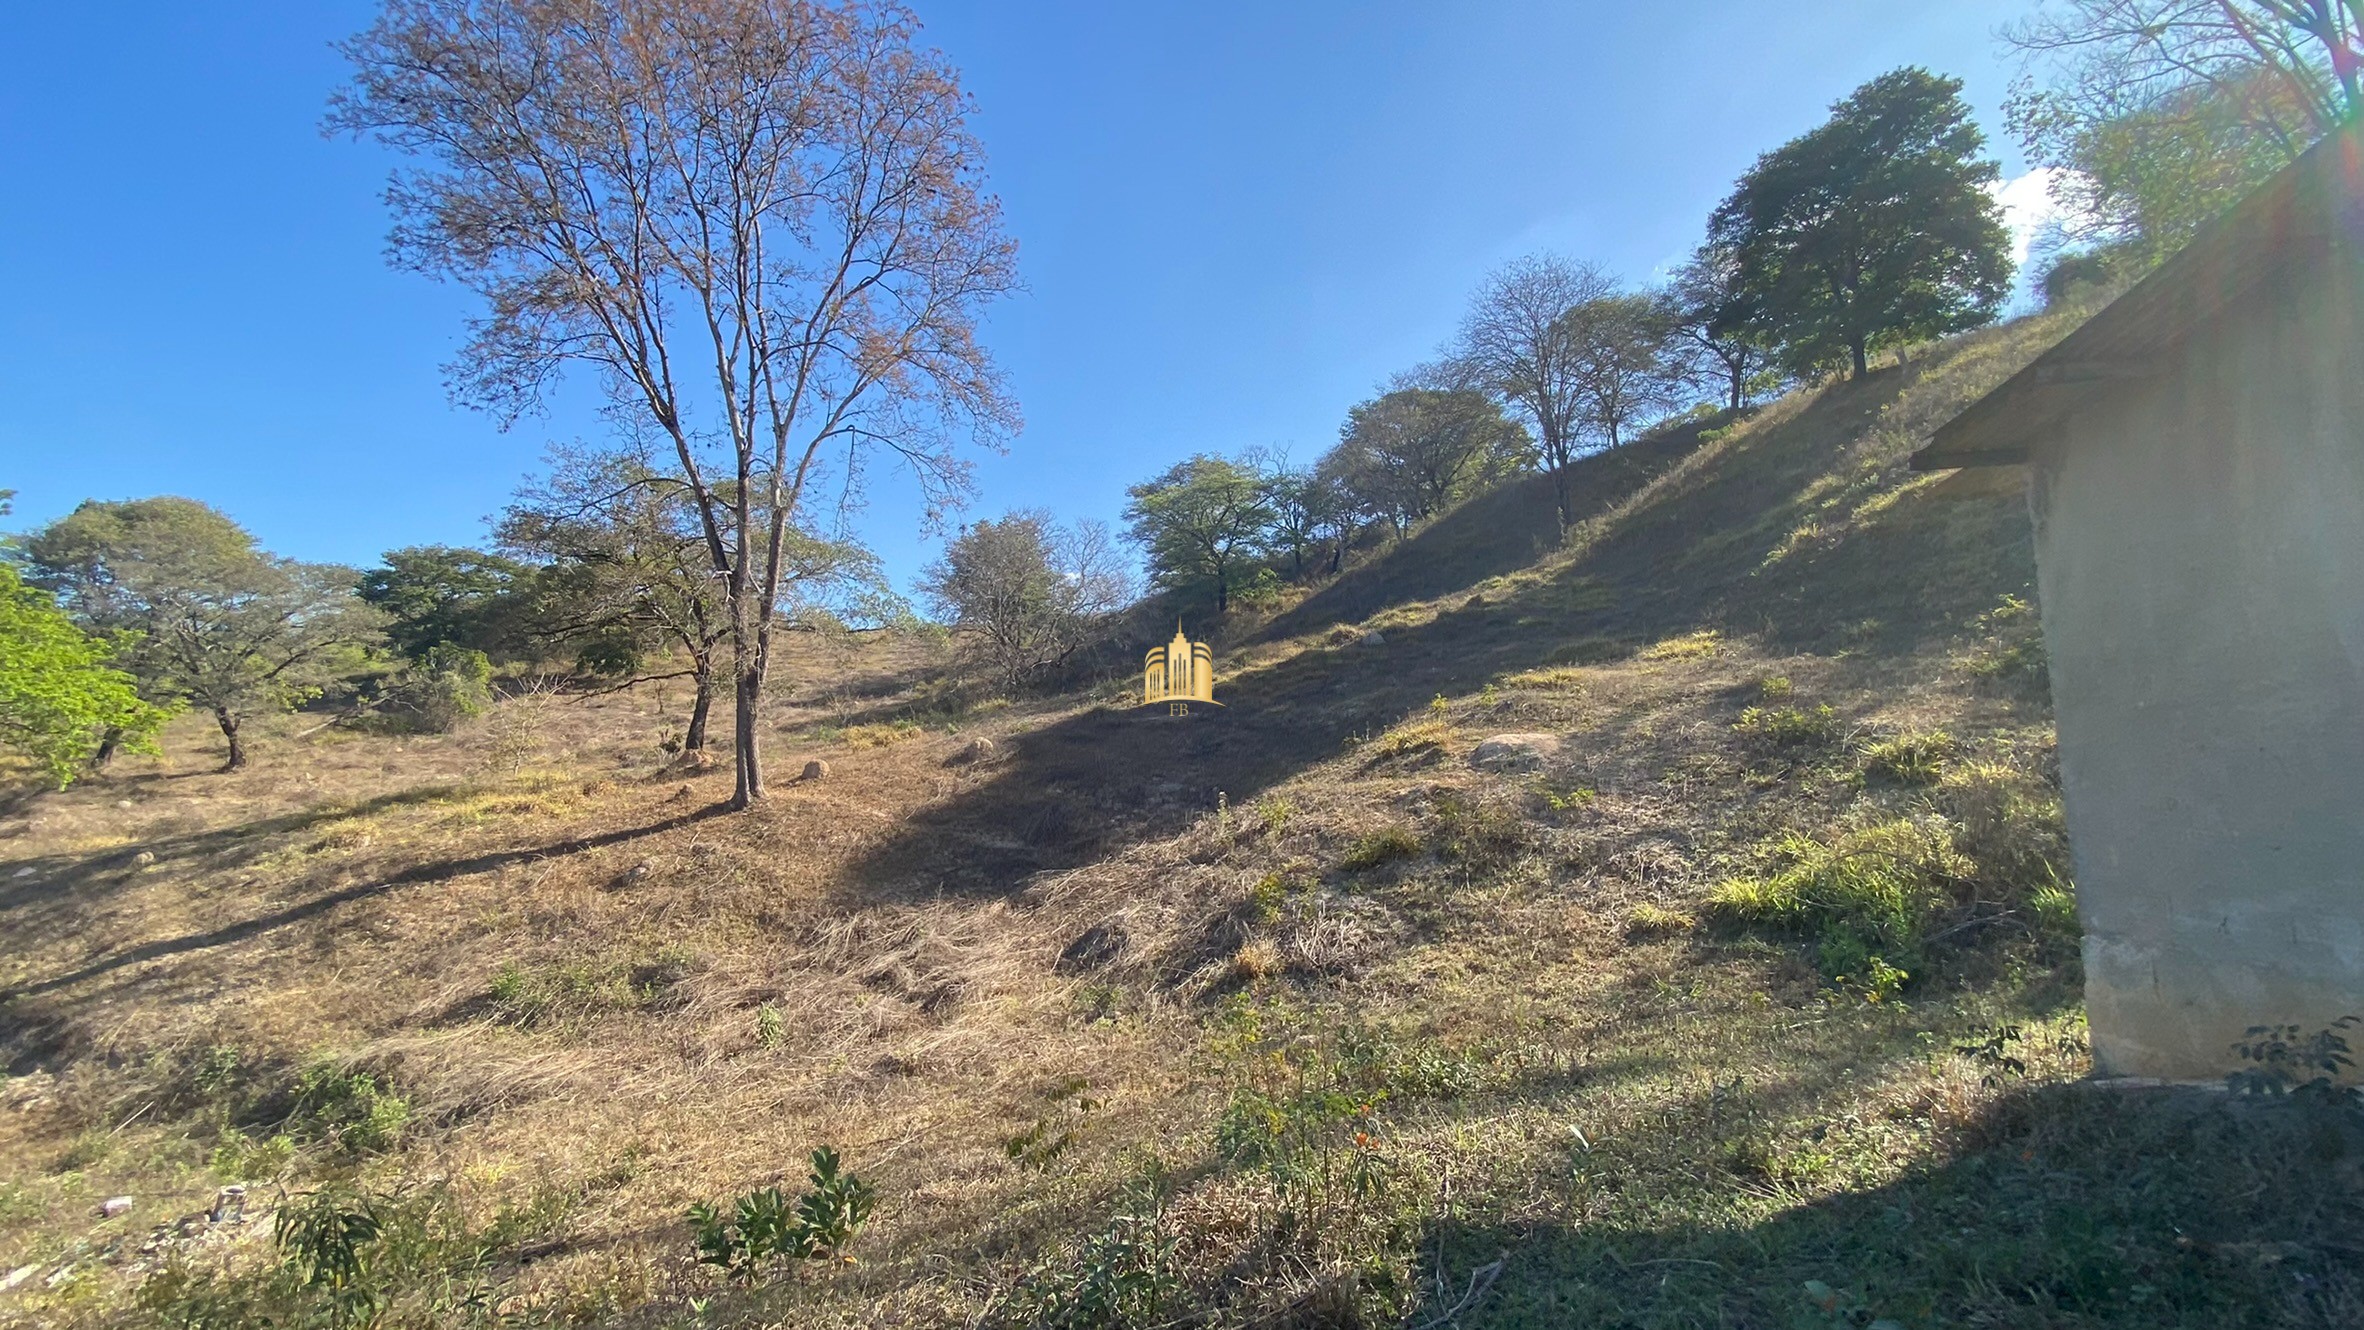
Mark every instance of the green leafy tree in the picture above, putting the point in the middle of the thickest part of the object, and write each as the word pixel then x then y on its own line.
pixel 434 595
pixel 1414 451
pixel 221 624
pixel 2135 182
pixel 1875 229
pixel 1203 524
pixel 60 694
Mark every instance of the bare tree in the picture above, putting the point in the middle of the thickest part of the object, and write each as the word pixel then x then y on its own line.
pixel 1625 371
pixel 2294 67
pixel 1030 592
pixel 761 221
pixel 1707 311
pixel 1518 341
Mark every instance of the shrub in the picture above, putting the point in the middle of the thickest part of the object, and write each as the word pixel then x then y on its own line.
pixel 446 686
pixel 1382 846
pixel 1124 1275
pixel 1865 895
pixel 326 1239
pixel 762 1224
pixel 1788 727
pixel 1915 757
pixel 350 1109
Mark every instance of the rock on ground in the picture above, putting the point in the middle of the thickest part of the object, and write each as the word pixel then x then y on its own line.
pixel 1515 752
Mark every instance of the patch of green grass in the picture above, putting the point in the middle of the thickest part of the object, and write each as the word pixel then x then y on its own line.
pixel 1420 736
pixel 1915 757
pixel 1689 646
pixel 1865 895
pixel 1385 845
pixel 1647 922
pixel 1788 727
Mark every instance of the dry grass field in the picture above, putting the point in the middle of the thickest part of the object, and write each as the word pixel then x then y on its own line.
pixel 1739 990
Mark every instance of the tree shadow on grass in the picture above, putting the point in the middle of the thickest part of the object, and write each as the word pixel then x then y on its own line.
pixel 1686 554
pixel 217 850
pixel 11 1024
pixel 2069 1205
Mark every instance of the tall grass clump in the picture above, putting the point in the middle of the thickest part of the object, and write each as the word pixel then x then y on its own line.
pixel 1865 896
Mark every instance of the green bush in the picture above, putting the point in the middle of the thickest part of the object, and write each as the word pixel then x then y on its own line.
pixel 351 1110
pixel 1127 1274
pixel 344 1256
pixel 447 686
pixel 762 1224
pixel 1864 896
pixel 1382 846
pixel 1788 727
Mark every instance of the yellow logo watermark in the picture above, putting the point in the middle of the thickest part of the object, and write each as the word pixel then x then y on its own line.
pixel 1179 673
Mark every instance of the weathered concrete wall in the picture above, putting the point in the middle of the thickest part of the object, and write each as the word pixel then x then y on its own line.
pixel 2200 547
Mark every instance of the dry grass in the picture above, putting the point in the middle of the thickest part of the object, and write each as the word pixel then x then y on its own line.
pixel 1140 986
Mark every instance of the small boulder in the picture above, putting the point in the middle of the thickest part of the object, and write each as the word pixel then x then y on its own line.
pixel 144 858
pixel 18 1276
pixel 815 770
pixel 123 803
pixel 115 1205
pixel 1374 639
pixel 1515 752
pixel 975 750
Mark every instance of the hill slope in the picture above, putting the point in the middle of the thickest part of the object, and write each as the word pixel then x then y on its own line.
pixel 1742 992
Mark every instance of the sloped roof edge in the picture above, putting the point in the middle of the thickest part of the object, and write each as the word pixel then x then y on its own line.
pixel 2293 216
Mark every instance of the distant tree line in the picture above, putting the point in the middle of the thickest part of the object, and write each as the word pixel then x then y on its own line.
pixel 1871 232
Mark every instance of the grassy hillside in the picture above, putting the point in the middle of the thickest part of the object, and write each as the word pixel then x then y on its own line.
pixel 1743 992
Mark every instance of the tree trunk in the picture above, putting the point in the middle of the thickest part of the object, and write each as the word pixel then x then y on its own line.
pixel 109 740
pixel 1222 593
pixel 1739 390
pixel 748 693
pixel 694 740
pixel 229 724
pixel 1560 497
pixel 1856 349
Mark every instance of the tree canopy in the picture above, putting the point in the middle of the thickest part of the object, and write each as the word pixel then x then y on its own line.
pixel 1202 523
pixel 444 595
pixel 1029 592
pixel 220 623
pixel 1875 229
pixel 61 695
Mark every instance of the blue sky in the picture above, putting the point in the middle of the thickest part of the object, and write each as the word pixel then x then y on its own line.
pixel 1234 220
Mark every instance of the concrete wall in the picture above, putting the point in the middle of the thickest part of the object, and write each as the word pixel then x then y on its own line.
pixel 2200 547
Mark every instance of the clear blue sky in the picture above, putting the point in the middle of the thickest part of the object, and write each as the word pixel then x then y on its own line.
pixel 1234 220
